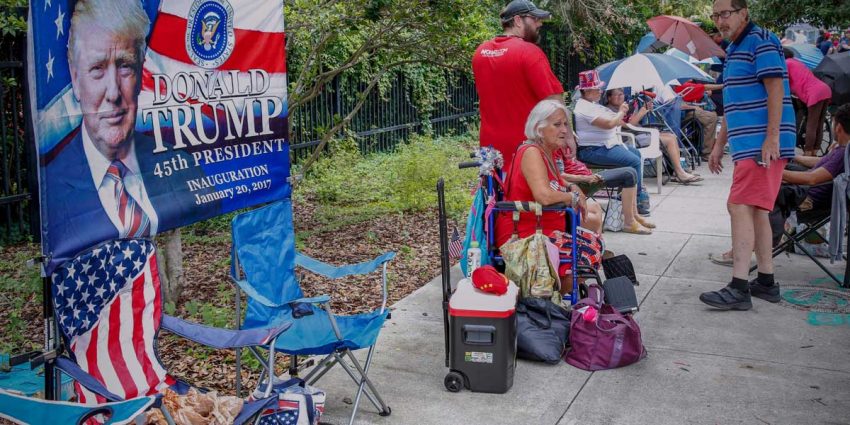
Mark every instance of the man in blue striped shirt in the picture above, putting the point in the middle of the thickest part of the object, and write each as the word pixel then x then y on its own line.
pixel 761 133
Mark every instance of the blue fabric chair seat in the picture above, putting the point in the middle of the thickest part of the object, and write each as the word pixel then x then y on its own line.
pixel 313 334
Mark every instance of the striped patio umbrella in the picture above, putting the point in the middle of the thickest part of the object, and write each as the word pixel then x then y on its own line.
pixel 806 53
pixel 649 70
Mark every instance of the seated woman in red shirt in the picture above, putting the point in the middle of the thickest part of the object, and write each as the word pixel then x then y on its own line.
pixel 533 176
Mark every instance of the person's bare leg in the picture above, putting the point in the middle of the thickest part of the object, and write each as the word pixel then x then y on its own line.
pixel 736 295
pixel 763 241
pixel 629 199
pixel 743 238
pixel 671 145
pixel 630 212
pixel 593 218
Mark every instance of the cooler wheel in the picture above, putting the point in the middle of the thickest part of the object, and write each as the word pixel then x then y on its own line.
pixel 454 382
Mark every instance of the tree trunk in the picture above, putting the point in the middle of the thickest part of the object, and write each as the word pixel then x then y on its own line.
pixel 171 265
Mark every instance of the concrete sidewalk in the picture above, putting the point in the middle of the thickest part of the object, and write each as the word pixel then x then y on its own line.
pixel 774 364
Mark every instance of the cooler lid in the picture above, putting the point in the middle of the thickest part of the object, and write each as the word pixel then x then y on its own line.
pixel 467 298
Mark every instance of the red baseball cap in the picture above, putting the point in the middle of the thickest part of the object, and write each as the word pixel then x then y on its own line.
pixel 488 279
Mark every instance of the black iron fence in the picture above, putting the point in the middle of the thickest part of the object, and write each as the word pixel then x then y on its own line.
pixel 16 168
pixel 385 120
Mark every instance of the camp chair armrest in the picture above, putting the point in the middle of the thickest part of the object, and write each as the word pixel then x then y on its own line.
pixel 336 272
pixel 89 382
pixel 246 287
pixel 321 299
pixel 222 338
pixel 528 206
pixel 630 138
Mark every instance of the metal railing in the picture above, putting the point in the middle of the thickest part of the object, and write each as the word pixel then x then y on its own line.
pixel 384 120
pixel 16 168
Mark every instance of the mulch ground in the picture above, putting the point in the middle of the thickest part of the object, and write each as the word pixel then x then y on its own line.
pixel 413 236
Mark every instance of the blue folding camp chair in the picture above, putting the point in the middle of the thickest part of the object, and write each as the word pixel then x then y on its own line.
pixel 28 410
pixel 263 266
pixel 108 309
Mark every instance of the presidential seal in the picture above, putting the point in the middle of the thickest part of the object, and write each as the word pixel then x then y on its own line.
pixel 209 33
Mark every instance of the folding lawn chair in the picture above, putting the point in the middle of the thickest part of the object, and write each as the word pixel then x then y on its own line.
pixel 263 265
pixel 814 220
pixel 28 410
pixel 108 308
pixel 651 153
pixel 667 116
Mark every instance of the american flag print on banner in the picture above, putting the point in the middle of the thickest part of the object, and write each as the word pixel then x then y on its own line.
pixel 108 308
pixel 199 116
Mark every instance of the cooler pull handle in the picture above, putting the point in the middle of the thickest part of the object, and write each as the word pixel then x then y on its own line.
pixel 479 334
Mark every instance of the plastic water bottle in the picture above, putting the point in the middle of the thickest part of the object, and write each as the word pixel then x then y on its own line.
pixel 473 258
pixel 684 163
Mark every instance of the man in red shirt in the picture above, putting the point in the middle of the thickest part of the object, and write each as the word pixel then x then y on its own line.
pixel 512 74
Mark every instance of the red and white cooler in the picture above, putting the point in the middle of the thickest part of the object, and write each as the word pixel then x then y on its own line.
pixel 483 337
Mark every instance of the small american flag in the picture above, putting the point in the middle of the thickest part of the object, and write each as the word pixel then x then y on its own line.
pixel 455 245
pixel 109 308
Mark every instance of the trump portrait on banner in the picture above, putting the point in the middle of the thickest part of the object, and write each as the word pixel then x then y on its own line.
pixel 99 183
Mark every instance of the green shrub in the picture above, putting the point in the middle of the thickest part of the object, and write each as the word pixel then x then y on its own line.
pixel 346 183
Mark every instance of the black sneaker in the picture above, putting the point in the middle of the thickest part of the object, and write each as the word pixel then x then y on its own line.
pixel 727 298
pixel 767 293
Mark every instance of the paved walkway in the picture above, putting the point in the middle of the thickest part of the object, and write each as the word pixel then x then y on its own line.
pixel 769 365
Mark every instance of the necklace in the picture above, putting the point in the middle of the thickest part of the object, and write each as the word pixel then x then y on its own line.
pixel 547 157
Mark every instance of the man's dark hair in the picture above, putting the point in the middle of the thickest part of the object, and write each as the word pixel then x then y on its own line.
pixel 788 53
pixel 508 24
pixel 842 117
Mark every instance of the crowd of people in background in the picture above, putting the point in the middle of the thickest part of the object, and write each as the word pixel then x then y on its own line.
pixel 830 42
pixel 550 144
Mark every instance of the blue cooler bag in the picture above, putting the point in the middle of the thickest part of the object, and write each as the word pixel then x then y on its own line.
pixel 298 404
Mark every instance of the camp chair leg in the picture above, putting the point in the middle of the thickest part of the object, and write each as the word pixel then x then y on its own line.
pixel 319 371
pixel 293 365
pixel 263 359
pixel 822 267
pixel 384 410
pixel 237 298
pixel 353 377
pixel 659 173
pixel 846 283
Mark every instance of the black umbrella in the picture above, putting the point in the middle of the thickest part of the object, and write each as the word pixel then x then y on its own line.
pixel 834 70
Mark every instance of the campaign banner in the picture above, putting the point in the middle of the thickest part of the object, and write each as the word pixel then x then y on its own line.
pixel 154 114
